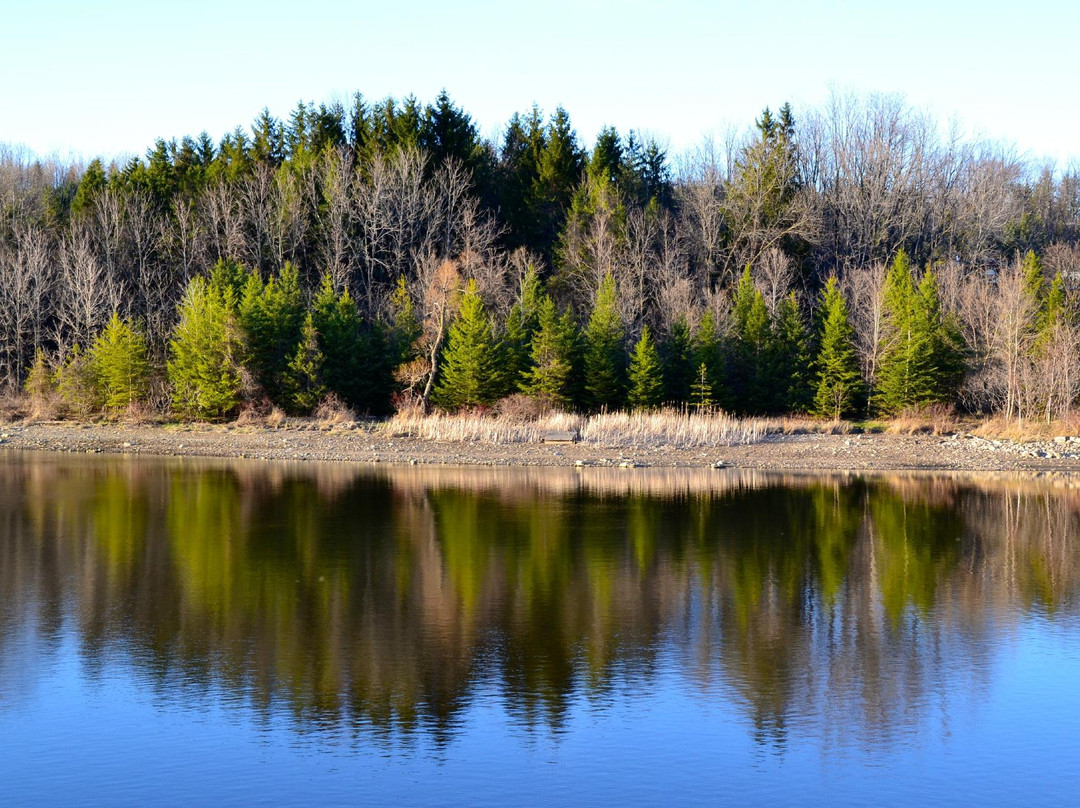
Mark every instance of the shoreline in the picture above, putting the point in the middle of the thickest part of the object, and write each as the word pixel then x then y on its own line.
pixel 370 444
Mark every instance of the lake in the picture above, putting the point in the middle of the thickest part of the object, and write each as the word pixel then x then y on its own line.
pixel 178 632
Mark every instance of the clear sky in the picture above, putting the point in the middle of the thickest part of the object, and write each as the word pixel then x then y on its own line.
pixel 109 77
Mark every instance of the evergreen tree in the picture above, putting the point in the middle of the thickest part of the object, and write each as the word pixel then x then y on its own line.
pixel 304 386
pixel 646 374
pixel 790 358
pixel 839 383
pixel 356 358
pixel 701 391
pixel 118 357
pixel 521 325
pixel 471 370
pixel 605 356
pixel 751 372
pixel 709 360
pixel 550 379
pixel 77 384
pixel 405 328
pixel 679 365
pixel 271 316
pixel 922 358
pixel 204 369
pixel 39 384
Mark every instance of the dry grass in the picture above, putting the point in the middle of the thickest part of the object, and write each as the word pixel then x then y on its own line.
pixel 476 427
pixel 676 428
pixel 934 419
pixel 332 411
pixel 1029 429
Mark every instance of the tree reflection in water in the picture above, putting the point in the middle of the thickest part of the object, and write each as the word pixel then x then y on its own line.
pixel 384 599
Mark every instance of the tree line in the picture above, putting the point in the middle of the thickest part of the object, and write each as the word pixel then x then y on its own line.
pixel 856 261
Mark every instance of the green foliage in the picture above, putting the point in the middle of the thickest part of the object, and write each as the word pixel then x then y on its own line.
pixel 646 374
pixel 922 360
pixel 39 384
pixel 119 361
pixel 679 366
pixel 709 360
pixel 304 386
pixel 789 359
pixel 77 385
pixel 405 327
pixel 752 376
pixel 551 377
pixel 204 368
pixel 839 383
pixel 701 391
pixel 356 357
pixel 521 325
pixel 605 355
pixel 271 316
pixel 471 370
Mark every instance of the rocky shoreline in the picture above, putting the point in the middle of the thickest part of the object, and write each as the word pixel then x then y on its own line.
pixel 370 443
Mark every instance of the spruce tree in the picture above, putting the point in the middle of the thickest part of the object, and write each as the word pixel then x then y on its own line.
pixel 77 385
pixel 118 357
pixel 679 366
pixel 471 370
pixel 357 358
pixel 922 359
pixel 701 391
pixel 709 359
pixel 204 368
pixel 839 383
pixel 521 325
pixel 303 381
pixel 646 374
pixel 271 316
pixel 550 379
pixel 605 355
pixel 751 372
pixel 405 328
pixel 789 358
pixel 39 384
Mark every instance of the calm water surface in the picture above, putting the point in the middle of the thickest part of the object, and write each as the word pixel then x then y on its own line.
pixel 179 633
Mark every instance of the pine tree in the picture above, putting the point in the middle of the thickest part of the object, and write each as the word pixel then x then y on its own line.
pixel 605 356
pixel 679 366
pixel 39 384
pixel 708 355
pixel 646 374
pixel 271 316
pixel 521 325
pixel 701 391
pixel 789 358
pixel 204 369
pixel 405 328
pixel 922 359
pixel 303 381
pixel 839 383
pixel 118 357
pixel 550 379
pixel 751 371
pixel 471 370
pixel 77 385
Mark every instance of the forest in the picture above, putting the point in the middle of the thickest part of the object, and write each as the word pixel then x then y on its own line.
pixel 850 260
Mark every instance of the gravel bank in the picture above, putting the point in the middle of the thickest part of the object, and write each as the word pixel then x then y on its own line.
pixel 367 443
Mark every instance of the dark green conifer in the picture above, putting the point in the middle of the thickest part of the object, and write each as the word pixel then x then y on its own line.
pixel 605 355
pixel 839 383
pixel 646 374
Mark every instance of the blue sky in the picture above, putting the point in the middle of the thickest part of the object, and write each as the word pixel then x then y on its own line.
pixel 88 78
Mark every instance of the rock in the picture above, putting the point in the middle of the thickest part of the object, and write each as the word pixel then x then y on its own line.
pixel 1061 439
pixel 719 464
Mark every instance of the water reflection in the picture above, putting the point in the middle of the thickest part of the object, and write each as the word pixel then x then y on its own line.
pixel 385 600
